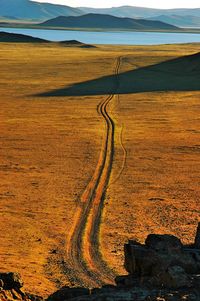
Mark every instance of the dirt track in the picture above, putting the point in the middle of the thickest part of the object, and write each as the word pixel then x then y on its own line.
pixel 83 253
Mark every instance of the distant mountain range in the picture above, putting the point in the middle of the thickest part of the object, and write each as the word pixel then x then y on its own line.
pixel 106 22
pixel 180 21
pixel 30 10
pixel 141 12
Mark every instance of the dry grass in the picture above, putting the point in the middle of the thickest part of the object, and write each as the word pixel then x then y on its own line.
pixel 50 147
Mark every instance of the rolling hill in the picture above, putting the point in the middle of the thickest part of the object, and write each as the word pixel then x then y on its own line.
pixel 141 12
pixel 19 38
pixel 6 37
pixel 180 21
pixel 30 10
pixel 106 21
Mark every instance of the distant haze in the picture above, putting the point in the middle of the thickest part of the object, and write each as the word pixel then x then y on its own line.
pixel 142 3
pixel 32 10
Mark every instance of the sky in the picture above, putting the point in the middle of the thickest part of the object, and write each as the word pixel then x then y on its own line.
pixel 143 3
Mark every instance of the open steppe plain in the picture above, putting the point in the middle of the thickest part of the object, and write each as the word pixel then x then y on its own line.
pixel 50 145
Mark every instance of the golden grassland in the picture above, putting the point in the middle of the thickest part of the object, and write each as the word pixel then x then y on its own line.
pixel 50 147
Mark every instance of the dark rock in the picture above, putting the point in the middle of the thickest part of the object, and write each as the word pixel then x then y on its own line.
pixel 126 281
pixel 11 280
pixel 1 284
pixel 188 260
pixel 197 238
pixel 140 261
pixel 163 243
pixel 163 261
pixel 175 277
pixel 54 251
pixel 134 242
pixel 162 269
pixel 10 289
pixel 67 292
pixel 196 281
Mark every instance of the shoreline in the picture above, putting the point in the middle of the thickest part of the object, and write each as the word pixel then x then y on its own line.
pixel 109 30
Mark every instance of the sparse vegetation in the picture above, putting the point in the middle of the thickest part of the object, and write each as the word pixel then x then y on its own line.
pixel 51 143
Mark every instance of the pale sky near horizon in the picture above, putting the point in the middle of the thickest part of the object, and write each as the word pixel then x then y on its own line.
pixel 143 3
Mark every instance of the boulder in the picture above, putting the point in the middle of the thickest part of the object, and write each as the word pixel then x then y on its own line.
pixel 139 260
pixel 11 280
pixel 162 261
pixel 163 243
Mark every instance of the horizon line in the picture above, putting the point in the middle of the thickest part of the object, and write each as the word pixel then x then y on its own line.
pixel 125 5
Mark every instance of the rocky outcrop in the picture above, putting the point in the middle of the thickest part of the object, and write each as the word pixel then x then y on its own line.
pixel 11 289
pixel 163 261
pixel 162 269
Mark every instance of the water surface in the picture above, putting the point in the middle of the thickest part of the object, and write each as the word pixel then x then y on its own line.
pixel 108 37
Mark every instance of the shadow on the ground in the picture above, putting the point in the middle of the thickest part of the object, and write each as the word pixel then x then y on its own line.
pixel 181 74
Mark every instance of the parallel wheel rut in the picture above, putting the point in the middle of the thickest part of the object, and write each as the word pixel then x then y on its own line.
pixel 83 252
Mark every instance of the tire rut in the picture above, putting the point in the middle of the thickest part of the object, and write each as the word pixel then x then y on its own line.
pixel 83 251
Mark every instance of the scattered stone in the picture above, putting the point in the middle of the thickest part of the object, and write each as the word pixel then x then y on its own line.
pixel 54 251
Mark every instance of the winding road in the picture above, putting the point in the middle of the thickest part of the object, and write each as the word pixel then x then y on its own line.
pixel 83 253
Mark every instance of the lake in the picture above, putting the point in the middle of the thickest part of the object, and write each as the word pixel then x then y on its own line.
pixel 108 37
